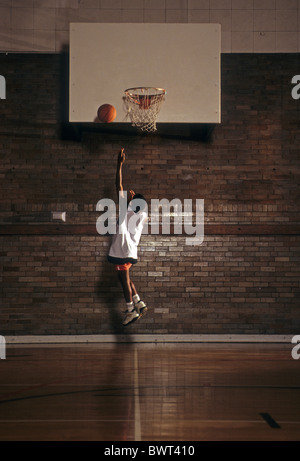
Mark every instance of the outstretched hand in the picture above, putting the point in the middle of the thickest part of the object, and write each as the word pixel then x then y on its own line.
pixel 131 194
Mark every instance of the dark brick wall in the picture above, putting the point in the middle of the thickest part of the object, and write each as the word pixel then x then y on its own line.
pixel 244 278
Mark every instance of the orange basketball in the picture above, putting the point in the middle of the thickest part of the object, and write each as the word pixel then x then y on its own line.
pixel 145 101
pixel 106 113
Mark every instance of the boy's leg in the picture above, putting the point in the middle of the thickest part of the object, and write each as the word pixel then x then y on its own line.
pixel 139 305
pixel 129 289
pixel 131 313
pixel 134 306
pixel 126 285
pixel 133 289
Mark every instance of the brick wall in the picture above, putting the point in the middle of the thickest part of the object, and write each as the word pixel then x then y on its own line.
pixel 244 278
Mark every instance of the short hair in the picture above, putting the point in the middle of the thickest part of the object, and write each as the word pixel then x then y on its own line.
pixel 141 204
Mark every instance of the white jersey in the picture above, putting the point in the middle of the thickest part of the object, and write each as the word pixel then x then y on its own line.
pixel 124 246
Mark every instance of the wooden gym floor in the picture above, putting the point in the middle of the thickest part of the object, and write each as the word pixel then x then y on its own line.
pixel 150 392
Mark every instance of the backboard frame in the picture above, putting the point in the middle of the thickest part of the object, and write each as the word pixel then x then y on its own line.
pixel 182 58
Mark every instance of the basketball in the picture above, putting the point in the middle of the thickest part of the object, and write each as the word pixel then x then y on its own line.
pixel 145 101
pixel 106 113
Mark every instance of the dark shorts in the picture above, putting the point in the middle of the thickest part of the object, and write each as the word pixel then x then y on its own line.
pixel 121 261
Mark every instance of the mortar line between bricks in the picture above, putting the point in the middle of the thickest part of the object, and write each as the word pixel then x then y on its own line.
pixel 87 230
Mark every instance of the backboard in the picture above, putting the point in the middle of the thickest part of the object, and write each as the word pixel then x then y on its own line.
pixel 184 59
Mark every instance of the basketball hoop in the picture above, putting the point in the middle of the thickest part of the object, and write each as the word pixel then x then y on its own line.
pixel 143 105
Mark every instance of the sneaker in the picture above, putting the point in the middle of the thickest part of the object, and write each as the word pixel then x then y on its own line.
pixel 130 317
pixel 141 308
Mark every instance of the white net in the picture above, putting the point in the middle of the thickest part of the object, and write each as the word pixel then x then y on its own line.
pixel 143 105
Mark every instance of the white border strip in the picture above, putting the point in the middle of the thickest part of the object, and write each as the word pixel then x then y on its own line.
pixel 74 339
pixel 137 409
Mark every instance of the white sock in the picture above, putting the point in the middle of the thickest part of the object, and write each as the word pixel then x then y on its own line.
pixel 136 298
pixel 130 306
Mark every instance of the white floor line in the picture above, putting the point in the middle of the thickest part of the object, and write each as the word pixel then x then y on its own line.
pixel 206 421
pixel 137 411
pixel 201 338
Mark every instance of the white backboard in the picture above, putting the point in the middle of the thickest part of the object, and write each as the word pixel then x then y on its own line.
pixel 184 59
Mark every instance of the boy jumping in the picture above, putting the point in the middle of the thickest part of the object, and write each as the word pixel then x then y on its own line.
pixel 123 249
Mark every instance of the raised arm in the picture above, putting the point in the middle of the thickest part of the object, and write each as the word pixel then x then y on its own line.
pixel 119 182
pixel 121 160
